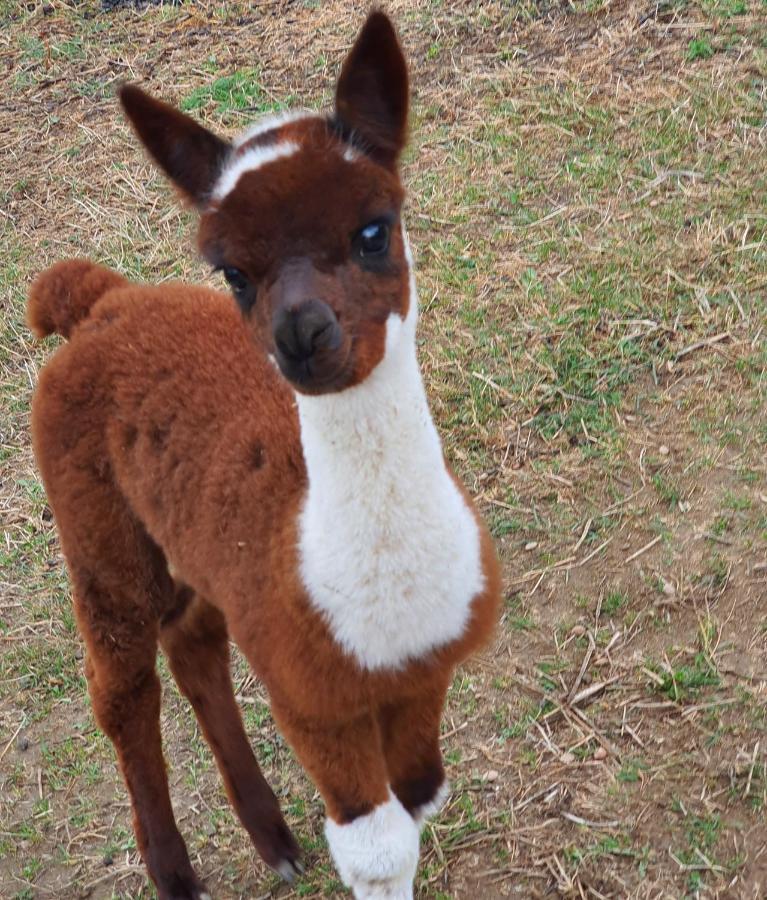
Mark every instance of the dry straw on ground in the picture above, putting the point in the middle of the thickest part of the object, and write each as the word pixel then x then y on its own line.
pixel 587 188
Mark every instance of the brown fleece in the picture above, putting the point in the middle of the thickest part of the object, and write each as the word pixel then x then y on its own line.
pixel 165 436
pixel 64 296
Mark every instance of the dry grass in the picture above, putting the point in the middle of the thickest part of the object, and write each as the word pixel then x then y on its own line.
pixel 587 203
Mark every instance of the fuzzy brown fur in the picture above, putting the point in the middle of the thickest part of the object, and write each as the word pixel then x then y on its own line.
pixel 66 294
pixel 165 437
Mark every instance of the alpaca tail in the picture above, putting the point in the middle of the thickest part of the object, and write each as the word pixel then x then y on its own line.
pixel 62 296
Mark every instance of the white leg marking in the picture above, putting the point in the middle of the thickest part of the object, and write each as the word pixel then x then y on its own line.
pixel 377 855
pixel 427 810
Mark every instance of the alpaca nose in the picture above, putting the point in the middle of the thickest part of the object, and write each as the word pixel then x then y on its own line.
pixel 300 331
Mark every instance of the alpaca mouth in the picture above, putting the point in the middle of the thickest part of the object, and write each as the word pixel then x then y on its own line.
pixel 319 374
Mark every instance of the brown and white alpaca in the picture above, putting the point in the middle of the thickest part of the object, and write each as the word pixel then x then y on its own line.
pixel 269 473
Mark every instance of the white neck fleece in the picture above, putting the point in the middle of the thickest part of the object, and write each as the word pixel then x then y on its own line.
pixel 389 550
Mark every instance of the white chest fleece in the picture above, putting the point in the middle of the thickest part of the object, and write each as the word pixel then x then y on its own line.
pixel 389 550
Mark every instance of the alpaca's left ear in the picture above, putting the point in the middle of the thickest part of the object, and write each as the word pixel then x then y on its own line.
pixel 372 90
pixel 190 155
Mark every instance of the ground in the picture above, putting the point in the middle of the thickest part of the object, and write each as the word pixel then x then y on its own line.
pixel 587 185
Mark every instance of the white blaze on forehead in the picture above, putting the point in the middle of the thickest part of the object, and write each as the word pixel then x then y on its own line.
pixel 269 123
pixel 250 161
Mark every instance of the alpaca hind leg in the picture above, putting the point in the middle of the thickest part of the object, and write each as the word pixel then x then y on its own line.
pixel 121 588
pixel 197 646
pixel 125 693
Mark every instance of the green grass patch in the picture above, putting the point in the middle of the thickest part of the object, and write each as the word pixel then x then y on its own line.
pixel 699 48
pixel 725 9
pixel 631 771
pixel 687 682
pixel 614 602
pixel 236 92
pixel 517 617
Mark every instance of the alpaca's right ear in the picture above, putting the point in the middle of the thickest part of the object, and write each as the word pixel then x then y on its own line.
pixel 372 90
pixel 190 155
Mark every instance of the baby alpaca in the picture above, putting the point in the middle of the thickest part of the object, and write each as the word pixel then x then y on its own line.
pixel 268 470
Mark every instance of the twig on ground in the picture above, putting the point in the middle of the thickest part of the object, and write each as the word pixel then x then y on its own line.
pixel 648 546
pixel 571 817
pixel 12 739
pixel 747 791
pixel 584 666
pixel 706 342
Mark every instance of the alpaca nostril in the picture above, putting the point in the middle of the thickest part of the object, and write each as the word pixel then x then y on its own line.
pixel 299 332
pixel 309 330
pixel 286 341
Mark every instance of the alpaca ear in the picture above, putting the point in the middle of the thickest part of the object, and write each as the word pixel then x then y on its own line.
pixel 372 90
pixel 190 155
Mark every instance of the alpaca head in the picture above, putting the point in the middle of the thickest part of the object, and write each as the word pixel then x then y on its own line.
pixel 301 213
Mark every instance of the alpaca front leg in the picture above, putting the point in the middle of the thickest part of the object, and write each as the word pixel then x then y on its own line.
pixel 372 837
pixel 410 736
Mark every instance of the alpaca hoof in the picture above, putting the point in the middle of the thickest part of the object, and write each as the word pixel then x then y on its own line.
pixel 288 869
pixel 186 889
pixel 279 850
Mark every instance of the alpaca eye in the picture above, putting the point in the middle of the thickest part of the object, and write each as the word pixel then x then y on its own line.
pixel 236 280
pixel 243 290
pixel 373 239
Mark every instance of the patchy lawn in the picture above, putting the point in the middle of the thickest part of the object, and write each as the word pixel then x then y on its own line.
pixel 587 204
